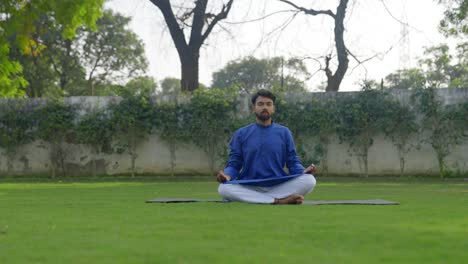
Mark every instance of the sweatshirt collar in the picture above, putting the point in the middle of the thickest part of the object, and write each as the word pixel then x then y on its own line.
pixel 264 127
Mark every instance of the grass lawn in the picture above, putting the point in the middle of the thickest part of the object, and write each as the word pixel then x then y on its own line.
pixel 108 222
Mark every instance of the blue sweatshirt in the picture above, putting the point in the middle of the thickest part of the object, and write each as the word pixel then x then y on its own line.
pixel 258 155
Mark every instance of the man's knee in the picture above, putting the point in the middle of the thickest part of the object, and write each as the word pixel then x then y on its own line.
pixel 308 180
pixel 223 189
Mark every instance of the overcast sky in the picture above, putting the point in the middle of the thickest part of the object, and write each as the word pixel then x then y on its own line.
pixel 373 30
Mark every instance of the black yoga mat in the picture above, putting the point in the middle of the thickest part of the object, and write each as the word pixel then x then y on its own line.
pixel 307 202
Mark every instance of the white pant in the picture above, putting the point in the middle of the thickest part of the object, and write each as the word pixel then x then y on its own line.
pixel 302 185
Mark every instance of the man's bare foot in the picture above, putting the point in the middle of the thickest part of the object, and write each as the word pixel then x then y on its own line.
pixel 291 199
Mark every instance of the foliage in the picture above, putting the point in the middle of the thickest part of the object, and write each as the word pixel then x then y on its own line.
pixel 109 55
pixel 170 87
pixel 437 66
pixel 406 79
pixel 443 127
pixel 16 127
pixel 211 113
pixel 251 74
pixel 55 124
pixel 95 130
pixel 171 126
pixel 309 121
pixel 131 120
pixel 197 21
pixel 361 120
pixel 11 81
pixel 112 52
pixel 400 126
pixel 142 85
pixel 323 125
pixel 18 27
pixel 455 19
pixel 438 69
pixel 56 69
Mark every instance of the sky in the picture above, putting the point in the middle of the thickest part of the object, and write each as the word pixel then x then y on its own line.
pixel 375 33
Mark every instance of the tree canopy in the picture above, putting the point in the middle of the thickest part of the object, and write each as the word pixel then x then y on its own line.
pixel 200 22
pixel 250 74
pixel 18 26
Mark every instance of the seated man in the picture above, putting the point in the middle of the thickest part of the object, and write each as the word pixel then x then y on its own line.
pixel 258 154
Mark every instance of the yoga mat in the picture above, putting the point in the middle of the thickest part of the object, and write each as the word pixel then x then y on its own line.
pixel 307 202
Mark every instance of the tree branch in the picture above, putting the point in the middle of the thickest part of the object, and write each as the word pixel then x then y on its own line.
pixel 198 23
pixel 312 12
pixel 176 32
pixel 220 16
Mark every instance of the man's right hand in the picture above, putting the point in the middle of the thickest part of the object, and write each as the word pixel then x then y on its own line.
pixel 221 177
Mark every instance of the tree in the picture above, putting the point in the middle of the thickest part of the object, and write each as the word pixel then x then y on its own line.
pixel 170 88
pixel 440 70
pixel 406 79
pixel 131 122
pixel 113 52
pixel 333 79
pixel 202 24
pixel 94 130
pixel 142 85
pixel 55 124
pixel 210 115
pixel 400 126
pixel 17 25
pixel 170 123
pixel 250 74
pixel 56 68
pixel 310 121
pixel 360 121
pixel 16 127
pixel 443 126
pixel 455 20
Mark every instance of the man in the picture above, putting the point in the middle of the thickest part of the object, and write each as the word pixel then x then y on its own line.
pixel 258 154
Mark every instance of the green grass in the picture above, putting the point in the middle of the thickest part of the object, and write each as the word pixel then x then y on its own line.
pixel 108 222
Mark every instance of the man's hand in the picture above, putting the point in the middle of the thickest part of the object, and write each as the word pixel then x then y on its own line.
pixel 311 169
pixel 221 177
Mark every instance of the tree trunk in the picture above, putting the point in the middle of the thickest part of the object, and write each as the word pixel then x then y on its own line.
pixel 66 67
pixel 334 80
pixel 133 154
pixel 189 67
pixel 440 159
pixel 172 149
pixel 189 50
pixel 324 161
pixel 401 155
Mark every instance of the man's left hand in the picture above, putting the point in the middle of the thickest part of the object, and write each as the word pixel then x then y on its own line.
pixel 311 169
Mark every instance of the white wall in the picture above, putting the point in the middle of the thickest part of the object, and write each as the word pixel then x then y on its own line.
pixel 154 157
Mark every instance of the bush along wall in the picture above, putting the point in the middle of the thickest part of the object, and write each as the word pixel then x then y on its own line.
pixel 209 119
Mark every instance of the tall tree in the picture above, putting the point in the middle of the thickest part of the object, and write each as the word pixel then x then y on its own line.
pixel 440 69
pixel 250 74
pixel 333 79
pixel 412 78
pixel 112 52
pixel 455 22
pixel 56 67
pixel 17 25
pixel 202 24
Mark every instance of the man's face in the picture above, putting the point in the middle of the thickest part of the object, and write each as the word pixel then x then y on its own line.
pixel 264 108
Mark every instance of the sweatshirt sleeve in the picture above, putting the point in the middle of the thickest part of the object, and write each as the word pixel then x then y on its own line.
pixel 292 161
pixel 236 159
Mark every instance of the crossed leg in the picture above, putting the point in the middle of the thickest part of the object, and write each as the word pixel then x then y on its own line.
pixel 290 192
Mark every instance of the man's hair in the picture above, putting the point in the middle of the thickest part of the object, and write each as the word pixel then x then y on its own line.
pixel 264 93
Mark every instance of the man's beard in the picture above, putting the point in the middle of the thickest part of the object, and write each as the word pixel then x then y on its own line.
pixel 263 116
